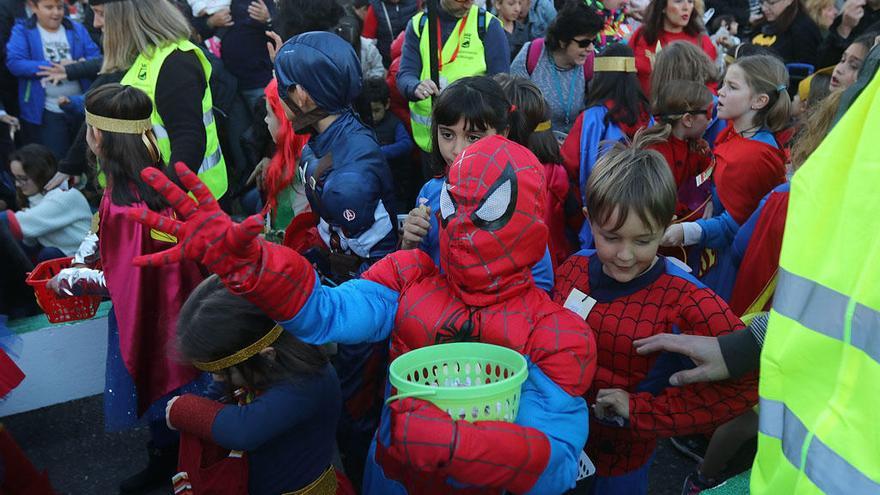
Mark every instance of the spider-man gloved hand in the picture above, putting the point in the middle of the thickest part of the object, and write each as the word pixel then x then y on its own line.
pixel 485 453
pixel 271 276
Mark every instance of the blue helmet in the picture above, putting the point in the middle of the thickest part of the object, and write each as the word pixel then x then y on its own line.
pixel 322 63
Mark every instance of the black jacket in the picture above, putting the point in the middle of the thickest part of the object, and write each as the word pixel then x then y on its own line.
pixel 834 44
pixel 799 43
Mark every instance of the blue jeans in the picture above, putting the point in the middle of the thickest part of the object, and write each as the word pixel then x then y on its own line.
pixel 57 132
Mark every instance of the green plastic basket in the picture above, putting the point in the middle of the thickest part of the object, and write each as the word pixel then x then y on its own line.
pixel 470 381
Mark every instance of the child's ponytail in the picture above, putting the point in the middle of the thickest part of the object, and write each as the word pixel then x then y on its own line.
pixel 766 74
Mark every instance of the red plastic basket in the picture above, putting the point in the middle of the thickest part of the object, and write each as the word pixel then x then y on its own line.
pixel 60 309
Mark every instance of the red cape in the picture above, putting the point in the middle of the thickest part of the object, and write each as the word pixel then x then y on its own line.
pixel 146 302
pixel 745 171
pixel 757 271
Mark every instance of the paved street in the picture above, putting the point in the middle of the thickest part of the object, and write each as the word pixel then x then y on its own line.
pixel 68 440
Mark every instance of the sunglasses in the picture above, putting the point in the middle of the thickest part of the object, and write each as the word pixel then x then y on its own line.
pixel 584 43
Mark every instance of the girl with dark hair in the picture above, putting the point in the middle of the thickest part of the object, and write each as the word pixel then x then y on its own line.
pixel 141 372
pixel 274 398
pixel 667 21
pixel 561 64
pixel 530 126
pixel 465 112
pixel 53 223
pixel 787 29
pixel 616 109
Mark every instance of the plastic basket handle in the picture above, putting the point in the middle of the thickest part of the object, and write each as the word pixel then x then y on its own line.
pixel 424 393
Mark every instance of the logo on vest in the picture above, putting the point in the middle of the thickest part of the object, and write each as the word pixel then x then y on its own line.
pixel 349 215
pixel 466 40
pixel 142 72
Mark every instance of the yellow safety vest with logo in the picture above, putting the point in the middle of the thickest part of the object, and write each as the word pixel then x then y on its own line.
pixel 820 366
pixel 144 74
pixel 469 61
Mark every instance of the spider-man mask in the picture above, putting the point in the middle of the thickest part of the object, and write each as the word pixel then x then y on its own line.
pixel 491 221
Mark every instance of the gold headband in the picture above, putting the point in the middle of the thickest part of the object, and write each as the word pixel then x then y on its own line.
pixel 614 64
pixel 118 125
pixel 242 355
pixel 543 126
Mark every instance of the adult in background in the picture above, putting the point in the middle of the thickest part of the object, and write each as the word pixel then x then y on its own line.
pixel 149 42
pixel 301 16
pixel 242 28
pixel 386 19
pixel 537 16
pixel 789 31
pixel 473 44
pixel 667 21
pixel 856 17
pixel 559 71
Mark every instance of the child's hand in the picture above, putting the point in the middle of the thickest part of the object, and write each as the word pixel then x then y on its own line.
pixel 168 412
pixel 416 227
pixel 612 402
pixel 674 236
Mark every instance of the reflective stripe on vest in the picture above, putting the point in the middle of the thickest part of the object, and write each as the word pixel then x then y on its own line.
pixel 820 364
pixel 470 61
pixel 828 312
pixel 830 472
pixel 144 75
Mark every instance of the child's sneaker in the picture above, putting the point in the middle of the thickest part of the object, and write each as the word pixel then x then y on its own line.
pixel 696 483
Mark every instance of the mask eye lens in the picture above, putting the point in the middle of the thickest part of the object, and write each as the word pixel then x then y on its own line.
pixel 447 205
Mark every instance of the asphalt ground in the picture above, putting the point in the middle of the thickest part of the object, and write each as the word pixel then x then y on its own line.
pixel 68 441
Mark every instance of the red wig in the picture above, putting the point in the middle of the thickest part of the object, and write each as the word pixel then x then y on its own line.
pixel 288 150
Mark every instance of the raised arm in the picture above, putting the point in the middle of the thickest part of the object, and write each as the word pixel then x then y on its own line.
pixel 278 280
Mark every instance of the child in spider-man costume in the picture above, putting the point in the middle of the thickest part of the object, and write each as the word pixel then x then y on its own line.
pixel 625 291
pixel 491 210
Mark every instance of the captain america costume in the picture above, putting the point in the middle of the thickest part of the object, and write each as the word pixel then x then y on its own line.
pixel 484 294
pixel 664 299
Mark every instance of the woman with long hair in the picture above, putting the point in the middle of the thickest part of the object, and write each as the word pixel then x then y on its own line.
pixel 667 21
pixel 149 43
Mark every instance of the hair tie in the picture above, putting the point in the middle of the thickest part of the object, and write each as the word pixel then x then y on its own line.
pixel 543 126
pixel 781 88
pixel 512 108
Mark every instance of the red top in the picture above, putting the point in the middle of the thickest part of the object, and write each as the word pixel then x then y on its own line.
pixel 371 24
pixel 688 160
pixel 746 169
pixel 646 52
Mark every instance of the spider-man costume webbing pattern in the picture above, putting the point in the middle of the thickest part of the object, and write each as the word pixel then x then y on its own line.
pixel 664 299
pixel 492 233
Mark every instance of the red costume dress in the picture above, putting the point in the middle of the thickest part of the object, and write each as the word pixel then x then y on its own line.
pixel 645 51
pixel 492 232
pixel 664 299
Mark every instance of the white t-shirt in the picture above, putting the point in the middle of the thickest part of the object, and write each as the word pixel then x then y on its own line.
pixel 56 49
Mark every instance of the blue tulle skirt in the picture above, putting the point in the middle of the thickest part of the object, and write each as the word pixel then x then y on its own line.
pixel 120 394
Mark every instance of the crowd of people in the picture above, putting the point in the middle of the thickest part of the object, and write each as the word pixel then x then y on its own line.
pixel 280 197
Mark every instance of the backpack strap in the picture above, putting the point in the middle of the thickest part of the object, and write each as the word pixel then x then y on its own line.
pixel 536 46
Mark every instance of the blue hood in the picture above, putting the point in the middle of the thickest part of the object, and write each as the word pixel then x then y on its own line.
pixel 322 63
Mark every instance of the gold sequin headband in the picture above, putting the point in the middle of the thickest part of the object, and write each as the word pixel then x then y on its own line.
pixel 242 355
pixel 543 126
pixel 614 64
pixel 118 125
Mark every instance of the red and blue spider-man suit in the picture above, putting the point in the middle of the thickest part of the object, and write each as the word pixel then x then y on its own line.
pixel 491 211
